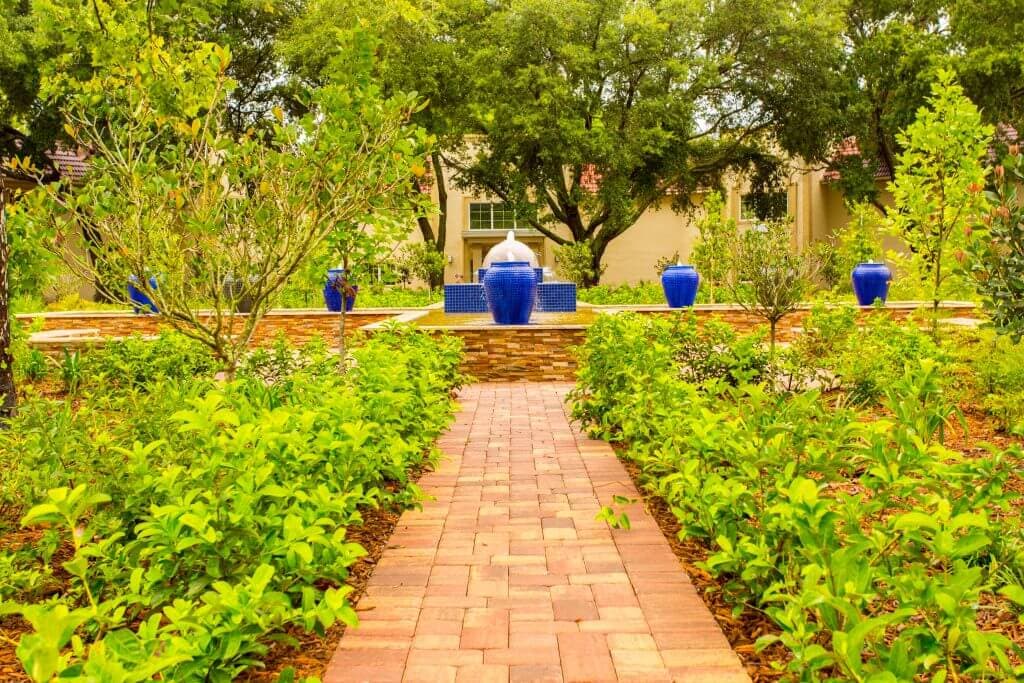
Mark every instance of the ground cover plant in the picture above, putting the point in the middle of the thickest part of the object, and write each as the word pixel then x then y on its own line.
pixel 878 552
pixel 178 526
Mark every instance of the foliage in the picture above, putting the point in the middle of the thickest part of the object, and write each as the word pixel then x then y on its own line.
pixel 871 546
pixel 768 278
pixel 662 264
pixel 189 553
pixel 639 293
pixel 575 263
pixel 996 249
pixel 835 352
pixel 991 369
pixel 937 190
pixel 136 362
pixel 586 114
pixel 859 241
pixel 173 193
pixel 423 262
pixel 711 252
pixel 893 53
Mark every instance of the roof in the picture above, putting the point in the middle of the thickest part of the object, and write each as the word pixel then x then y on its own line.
pixel 69 163
pixel 63 161
pixel 1005 134
pixel 847 149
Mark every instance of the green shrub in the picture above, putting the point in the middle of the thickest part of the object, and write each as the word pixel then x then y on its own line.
pixel 192 551
pixel 625 294
pixel 138 362
pixel 870 545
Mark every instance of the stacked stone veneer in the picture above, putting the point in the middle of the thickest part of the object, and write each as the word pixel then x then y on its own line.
pixel 527 353
pixel 545 352
pixel 520 354
pixel 298 326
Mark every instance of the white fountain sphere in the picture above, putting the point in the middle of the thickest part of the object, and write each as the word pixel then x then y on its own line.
pixel 510 250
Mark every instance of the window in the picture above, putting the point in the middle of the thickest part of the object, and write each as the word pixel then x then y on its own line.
pixel 764 206
pixel 491 216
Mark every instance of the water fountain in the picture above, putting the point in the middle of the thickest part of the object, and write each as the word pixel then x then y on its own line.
pixel 551 297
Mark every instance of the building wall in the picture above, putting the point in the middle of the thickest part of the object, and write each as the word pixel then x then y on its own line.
pixel 815 207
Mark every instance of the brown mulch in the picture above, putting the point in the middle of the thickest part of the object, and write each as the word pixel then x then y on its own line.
pixel 742 631
pixel 312 653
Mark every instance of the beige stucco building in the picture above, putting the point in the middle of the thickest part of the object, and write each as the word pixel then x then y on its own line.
pixel 476 223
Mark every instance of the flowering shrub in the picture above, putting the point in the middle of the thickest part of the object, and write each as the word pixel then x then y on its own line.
pixel 190 552
pixel 870 544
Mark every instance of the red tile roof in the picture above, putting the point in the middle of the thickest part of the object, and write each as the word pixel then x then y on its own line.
pixel 70 164
pixel 850 148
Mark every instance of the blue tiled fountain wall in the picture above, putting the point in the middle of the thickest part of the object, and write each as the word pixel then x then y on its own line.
pixel 552 297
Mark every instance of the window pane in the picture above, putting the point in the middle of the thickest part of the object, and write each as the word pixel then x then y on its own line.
pixel 504 217
pixel 479 216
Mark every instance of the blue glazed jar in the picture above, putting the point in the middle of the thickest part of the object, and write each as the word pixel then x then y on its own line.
pixel 510 288
pixel 140 302
pixel 333 288
pixel 680 284
pixel 870 282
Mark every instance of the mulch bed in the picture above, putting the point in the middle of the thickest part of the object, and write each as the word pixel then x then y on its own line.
pixel 743 630
pixel 312 653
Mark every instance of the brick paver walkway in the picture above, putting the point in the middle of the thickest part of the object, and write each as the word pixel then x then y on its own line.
pixel 507 576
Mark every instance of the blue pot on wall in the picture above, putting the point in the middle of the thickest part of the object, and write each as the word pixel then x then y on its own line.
pixel 140 302
pixel 870 282
pixel 332 291
pixel 511 291
pixel 680 284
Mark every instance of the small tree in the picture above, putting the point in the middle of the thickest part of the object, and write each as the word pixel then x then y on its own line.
pixel 174 194
pixel 996 249
pixel 711 252
pixel 422 261
pixel 858 241
pixel 937 187
pixel 664 262
pixel 575 262
pixel 769 279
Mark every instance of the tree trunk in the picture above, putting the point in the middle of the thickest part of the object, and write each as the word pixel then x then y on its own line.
pixel 596 256
pixel 8 390
pixel 342 351
pixel 437 240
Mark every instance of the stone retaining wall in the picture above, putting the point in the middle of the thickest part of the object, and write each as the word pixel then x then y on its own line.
pixel 792 324
pixel 530 353
pixel 542 354
pixel 298 326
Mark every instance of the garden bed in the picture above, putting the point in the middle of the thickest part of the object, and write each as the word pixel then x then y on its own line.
pixel 243 518
pixel 878 540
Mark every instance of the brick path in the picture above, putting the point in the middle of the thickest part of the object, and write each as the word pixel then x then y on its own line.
pixel 507 576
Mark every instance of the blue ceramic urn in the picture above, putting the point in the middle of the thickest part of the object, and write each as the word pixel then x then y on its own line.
pixel 140 302
pixel 332 291
pixel 510 288
pixel 870 282
pixel 680 284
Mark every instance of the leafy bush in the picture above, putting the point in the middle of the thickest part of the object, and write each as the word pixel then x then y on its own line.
pixel 869 544
pixel 992 366
pixel 138 362
pixel 834 352
pixel 421 261
pixel 624 294
pixel 574 261
pixel 997 248
pixel 191 552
